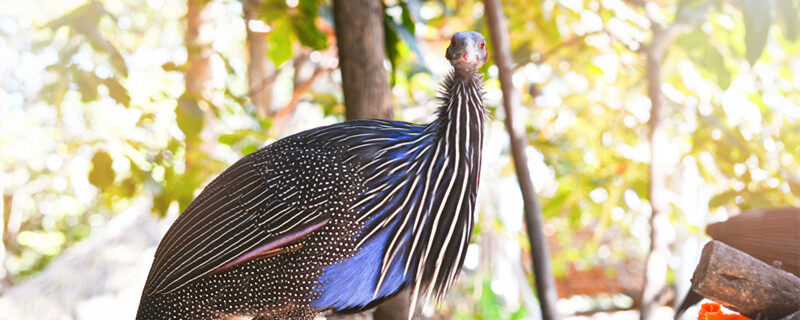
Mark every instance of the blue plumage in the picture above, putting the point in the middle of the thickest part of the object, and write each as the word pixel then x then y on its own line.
pixel 334 219
pixel 350 283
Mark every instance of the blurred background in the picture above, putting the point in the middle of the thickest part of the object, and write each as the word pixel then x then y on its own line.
pixel 116 113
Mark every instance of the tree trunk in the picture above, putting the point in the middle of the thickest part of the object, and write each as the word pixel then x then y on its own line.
pixel 259 69
pixel 196 102
pixel 6 239
pixel 360 41
pixel 656 265
pixel 198 77
pixel 534 222
pixel 395 308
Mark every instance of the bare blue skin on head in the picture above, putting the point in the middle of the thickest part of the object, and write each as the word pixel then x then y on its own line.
pixel 467 52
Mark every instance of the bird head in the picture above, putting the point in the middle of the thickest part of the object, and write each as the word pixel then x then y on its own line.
pixel 467 52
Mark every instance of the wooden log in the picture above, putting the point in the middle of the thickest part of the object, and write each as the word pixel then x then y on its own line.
pixel 745 284
pixel 768 235
pixel 793 316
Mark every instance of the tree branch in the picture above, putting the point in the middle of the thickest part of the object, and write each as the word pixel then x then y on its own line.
pixel 566 43
pixel 265 82
pixel 534 222
pixel 298 91
pixel 655 264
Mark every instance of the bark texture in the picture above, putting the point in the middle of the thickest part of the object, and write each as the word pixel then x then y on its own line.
pixel 653 292
pixel 534 222
pixel 199 76
pixel 395 308
pixel 745 284
pixel 656 264
pixel 360 41
pixel 770 235
pixel 259 69
pixel 200 96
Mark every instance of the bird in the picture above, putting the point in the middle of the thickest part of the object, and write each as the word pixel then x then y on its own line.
pixel 335 219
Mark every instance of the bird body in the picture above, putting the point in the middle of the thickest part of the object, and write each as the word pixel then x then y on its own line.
pixel 337 218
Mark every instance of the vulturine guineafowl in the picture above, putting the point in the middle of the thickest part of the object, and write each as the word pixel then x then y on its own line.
pixel 334 219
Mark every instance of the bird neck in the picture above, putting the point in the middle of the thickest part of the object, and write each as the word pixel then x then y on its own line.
pixel 459 122
pixel 423 189
pixel 452 184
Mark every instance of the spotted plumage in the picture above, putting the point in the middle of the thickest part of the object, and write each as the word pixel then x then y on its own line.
pixel 334 219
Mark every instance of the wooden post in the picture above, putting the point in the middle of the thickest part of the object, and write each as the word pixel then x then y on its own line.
pixel 745 284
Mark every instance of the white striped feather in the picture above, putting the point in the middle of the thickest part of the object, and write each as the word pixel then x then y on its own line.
pixel 424 162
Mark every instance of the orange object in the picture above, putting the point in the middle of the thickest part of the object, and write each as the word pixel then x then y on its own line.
pixel 711 311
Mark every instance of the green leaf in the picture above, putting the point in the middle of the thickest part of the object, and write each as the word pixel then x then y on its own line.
pixel 280 42
pixel 408 22
pixel 117 91
pixel 55 92
pixel 231 138
pixel 87 84
pixel 707 56
pixel 241 100
pixel 171 66
pixel 128 187
pixel 788 13
pixel 393 33
pixel 553 206
pixel 85 21
pixel 593 69
pixel 189 116
pixel 90 12
pixel 390 41
pixel 270 10
pixel 305 26
pixel 716 63
pixel 46 243
pixel 547 25
pixel 308 34
pixel 102 174
pixel 758 17
pixel 161 204
pixel 249 148
pixel 722 199
pixel 409 39
pixel 694 10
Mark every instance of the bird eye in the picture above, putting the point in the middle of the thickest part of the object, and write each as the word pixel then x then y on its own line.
pixel 483 44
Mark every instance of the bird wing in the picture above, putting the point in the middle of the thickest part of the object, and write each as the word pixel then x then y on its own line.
pixel 266 200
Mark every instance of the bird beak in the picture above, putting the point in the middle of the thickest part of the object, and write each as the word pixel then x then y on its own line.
pixel 469 57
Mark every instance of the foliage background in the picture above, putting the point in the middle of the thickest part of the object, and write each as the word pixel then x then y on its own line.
pixel 95 121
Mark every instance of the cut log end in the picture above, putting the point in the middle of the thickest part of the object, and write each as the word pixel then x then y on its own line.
pixel 745 284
